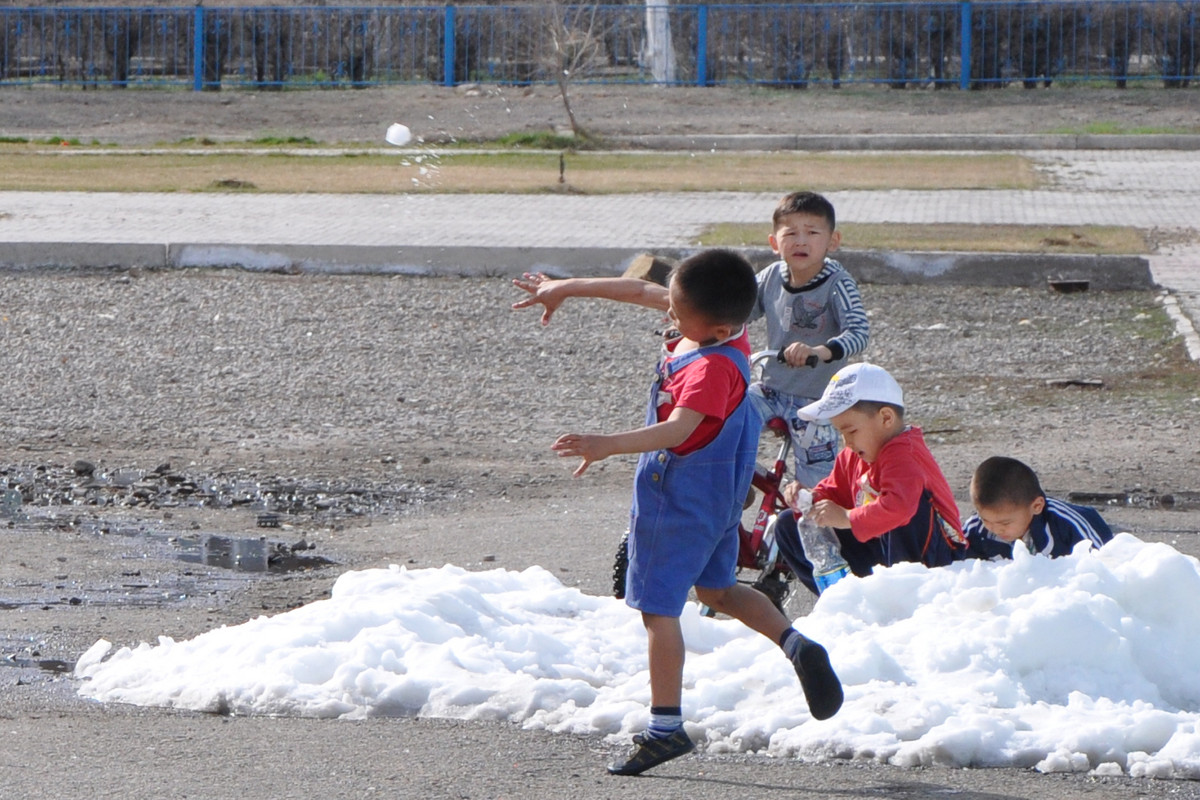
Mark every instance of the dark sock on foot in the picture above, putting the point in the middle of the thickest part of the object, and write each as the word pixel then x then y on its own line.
pixel 664 720
pixel 822 689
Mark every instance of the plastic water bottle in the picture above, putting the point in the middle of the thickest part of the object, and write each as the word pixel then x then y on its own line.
pixel 820 545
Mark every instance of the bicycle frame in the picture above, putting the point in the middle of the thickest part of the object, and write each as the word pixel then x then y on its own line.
pixel 753 551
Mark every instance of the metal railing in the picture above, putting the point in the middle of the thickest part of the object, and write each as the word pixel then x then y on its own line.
pixel 961 44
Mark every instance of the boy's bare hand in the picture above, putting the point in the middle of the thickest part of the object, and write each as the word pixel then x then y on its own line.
pixel 542 290
pixel 791 492
pixel 797 354
pixel 830 515
pixel 588 447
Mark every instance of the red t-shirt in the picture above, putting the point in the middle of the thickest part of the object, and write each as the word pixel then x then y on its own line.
pixel 711 385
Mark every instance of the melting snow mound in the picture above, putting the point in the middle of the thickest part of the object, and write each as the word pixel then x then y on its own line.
pixel 1084 663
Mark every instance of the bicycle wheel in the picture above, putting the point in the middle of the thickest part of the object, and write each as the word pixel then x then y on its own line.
pixel 785 592
pixel 620 567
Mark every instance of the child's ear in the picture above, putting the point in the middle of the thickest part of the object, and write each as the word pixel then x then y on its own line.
pixel 1038 506
pixel 889 416
pixel 771 240
pixel 723 332
pixel 835 241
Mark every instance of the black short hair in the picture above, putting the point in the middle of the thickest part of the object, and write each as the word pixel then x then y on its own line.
pixel 872 407
pixel 1001 480
pixel 805 203
pixel 719 284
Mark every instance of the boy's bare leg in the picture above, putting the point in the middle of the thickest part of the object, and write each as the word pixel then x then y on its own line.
pixel 749 606
pixel 822 689
pixel 664 738
pixel 666 649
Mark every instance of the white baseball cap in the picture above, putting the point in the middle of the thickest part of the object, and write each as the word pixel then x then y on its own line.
pixel 849 385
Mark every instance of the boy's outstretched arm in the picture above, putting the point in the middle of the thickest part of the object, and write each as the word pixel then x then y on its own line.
pixel 550 294
pixel 672 432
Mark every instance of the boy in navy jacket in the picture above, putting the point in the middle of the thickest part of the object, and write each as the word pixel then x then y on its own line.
pixel 1011 507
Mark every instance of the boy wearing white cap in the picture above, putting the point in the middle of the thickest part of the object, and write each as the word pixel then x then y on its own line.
pixel 886 498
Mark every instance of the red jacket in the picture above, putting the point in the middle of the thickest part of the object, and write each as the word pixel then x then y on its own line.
pixel 884 495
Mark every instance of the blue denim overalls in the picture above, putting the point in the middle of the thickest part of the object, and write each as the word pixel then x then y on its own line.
pixel 686 509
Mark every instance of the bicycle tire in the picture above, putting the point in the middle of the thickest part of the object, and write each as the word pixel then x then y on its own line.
pixel 620 567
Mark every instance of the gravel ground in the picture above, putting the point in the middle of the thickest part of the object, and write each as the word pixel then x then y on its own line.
pixel 407 420
pixel 473 113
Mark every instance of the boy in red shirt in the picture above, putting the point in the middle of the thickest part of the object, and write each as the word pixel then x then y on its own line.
pixel 697 455
pixel 886 497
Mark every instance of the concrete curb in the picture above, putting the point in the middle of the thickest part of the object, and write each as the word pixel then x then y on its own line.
pixel 1183 325
pixel 920 141
pixel 1105 273
pixel 31 256
pixel 974 269
pixel 746 142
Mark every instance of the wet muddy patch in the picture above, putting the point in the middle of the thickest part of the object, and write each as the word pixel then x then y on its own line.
pixel 87 535
pixel 149 566
pixel 85 483
pixel 1137 498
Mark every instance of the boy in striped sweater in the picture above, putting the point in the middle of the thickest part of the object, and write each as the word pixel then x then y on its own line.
pixel 1011 507
pixel 812 308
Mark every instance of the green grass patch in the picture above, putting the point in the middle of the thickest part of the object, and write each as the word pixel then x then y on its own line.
pixel 538 140
pixel 278 141
pixel 1103 127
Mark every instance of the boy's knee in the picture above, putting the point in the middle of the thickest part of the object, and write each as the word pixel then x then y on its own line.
pixel 713 598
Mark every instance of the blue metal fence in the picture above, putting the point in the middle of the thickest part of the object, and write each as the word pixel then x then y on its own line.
pixel 960 44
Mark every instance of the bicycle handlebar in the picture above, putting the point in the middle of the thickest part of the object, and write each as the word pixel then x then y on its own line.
pixel 763 355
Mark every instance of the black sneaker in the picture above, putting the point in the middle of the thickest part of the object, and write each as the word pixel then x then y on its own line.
pixel 649 753
pixel 822 689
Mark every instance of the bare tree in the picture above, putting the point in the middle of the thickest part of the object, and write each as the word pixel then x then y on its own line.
pixel 576 44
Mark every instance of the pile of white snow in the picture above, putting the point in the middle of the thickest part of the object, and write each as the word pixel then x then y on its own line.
pixel 1090 662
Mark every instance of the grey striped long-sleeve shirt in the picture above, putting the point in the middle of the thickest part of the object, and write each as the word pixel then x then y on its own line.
pixel 827 310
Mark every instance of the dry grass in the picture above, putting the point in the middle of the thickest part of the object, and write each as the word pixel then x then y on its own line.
pixel 24 167
pixel 1093 239
pixel 27 168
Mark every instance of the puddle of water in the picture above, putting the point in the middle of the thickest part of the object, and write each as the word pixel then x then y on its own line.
pixel 20 653
pixel 242 555
pixel 245 555
pixel 44 664
pixel 1175 501
pixel 237 554
pixel 231 561
pixel 24 486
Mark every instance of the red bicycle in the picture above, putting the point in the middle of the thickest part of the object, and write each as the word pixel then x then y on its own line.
pixel 758 554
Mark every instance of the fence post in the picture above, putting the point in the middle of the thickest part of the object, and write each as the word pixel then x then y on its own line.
pixel 701 45
pixel 964 53
pixel 448 48
pixel 198 49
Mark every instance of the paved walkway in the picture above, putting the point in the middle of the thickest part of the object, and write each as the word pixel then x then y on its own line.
pixel 1141 188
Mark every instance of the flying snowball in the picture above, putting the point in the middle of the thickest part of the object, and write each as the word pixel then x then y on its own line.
pixel 398 134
